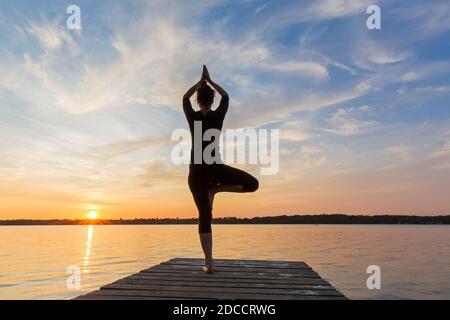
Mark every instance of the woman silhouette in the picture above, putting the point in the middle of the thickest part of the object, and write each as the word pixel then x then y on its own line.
pixel 205 179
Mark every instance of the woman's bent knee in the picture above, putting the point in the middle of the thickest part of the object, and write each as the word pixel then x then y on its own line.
pixel 252 185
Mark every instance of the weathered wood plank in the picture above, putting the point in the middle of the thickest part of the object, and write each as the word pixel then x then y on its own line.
pixel 172 277
pixel 294 272
pixel 274 263
pixel 231 263
pixel 223 267
pixel 237 275
pixel 209 289
pixel 224 284
pixel 212 295
pixel 252 268
pixel 103 295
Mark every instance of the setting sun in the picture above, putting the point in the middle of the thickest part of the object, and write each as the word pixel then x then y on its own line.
pixel 92 215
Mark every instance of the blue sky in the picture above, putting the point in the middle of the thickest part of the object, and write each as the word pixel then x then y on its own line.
pixel 86 116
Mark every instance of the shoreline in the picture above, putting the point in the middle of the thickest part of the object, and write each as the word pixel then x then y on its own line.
pixel 272 220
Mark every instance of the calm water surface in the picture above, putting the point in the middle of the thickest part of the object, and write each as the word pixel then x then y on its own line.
pixel 414 260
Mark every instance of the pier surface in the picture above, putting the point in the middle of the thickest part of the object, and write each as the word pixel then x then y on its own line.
pixel 183 279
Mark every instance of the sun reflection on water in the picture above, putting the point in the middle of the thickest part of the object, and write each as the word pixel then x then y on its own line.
pixel 88 249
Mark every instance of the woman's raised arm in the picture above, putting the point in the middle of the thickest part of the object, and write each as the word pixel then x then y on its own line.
pixel 187 106
pixel 192 90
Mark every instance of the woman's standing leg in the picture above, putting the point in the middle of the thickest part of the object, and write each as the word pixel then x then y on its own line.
pixel 198 183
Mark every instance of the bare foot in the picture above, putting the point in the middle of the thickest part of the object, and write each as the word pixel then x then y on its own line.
pixel 208 267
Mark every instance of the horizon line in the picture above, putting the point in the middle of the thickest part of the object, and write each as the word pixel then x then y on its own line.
pixel 243 218
pixel 280 219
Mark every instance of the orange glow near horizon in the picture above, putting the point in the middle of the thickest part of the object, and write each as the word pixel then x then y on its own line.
pixel 371 194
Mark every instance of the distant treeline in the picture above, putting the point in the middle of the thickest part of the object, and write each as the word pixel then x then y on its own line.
pixel 285 219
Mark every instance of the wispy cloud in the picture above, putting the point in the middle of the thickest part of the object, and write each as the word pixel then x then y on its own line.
pixel 106 152
pixel 328 9
pixel 410 76
pixel 400 153
pixel 349 122
pixel 295 131
pixel 52 35
pixel 160 175
pixel 312 69
pixel 442 151
pixel 370 55
pixel 314 11
pixel 429 18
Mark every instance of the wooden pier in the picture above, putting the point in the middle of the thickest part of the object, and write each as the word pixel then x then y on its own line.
pixel 183 279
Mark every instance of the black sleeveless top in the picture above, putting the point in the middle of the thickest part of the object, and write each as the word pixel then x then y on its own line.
pixel 212 120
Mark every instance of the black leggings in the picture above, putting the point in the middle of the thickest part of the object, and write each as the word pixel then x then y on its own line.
pixel 202 177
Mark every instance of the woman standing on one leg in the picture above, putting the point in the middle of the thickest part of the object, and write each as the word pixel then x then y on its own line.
pixel 205 180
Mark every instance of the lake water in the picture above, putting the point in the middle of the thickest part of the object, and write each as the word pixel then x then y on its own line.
pixel 414 260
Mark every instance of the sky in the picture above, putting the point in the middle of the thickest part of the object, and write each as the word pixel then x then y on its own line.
pixel 86 115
